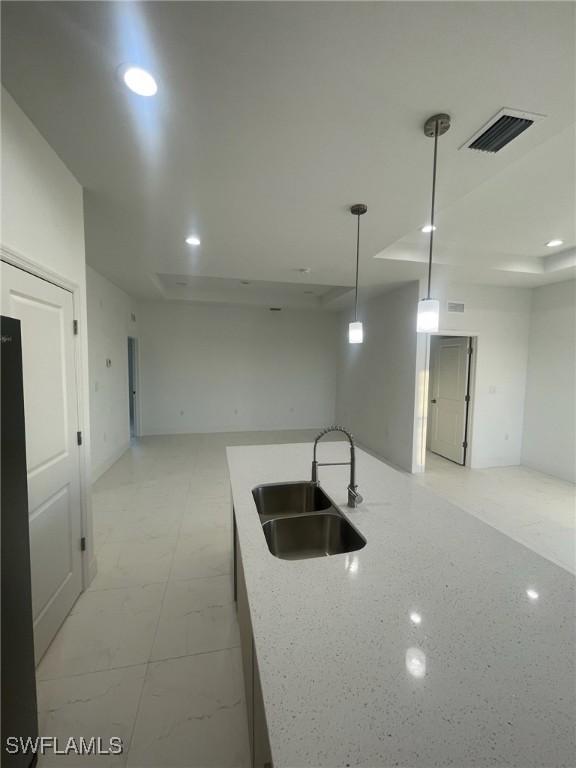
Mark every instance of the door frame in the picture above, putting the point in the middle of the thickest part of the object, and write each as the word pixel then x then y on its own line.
pixel 15 259
pixel 136 380
pixel 470 347
pixel 473 341
pixel 469 382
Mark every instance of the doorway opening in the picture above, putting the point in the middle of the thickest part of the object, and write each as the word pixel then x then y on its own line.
pixel 133 387
pixel 450 397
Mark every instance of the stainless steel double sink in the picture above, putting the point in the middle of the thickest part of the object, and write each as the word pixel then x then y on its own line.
pixel 300 521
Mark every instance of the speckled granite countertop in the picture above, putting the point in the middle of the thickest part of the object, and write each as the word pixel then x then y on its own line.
pixel 349 676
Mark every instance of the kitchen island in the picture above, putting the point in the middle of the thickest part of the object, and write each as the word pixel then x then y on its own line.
pixel 441 642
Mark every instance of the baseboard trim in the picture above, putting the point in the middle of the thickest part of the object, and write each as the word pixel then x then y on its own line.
pixel 98 471
pixel 161 432
pixel 92 571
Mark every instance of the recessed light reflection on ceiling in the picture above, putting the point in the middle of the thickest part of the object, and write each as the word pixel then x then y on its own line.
pixel 428 228
pixel 192 240
pixel 140 81
pixel 415 618
pixel 554 243
pixel 416 662
pixel 532 594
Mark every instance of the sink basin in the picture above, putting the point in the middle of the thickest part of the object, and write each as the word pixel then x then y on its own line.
pixel 311 535
pixel 279 499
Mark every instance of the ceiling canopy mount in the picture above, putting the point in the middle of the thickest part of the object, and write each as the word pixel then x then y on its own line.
pixel 442 120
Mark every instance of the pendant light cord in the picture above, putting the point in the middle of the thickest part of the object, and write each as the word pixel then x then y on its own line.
pixel 357 269
pixel 433 206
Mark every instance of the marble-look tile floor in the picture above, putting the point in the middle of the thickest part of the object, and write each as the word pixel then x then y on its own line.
pixel 535 509
pixel 150 652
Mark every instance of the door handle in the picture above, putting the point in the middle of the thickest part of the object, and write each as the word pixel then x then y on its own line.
pixel 432 401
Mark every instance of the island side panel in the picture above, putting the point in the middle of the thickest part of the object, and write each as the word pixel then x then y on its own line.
pixel 257 730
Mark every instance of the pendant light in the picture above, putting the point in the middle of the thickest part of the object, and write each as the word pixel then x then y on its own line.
pixel 428 308
pixel 355 329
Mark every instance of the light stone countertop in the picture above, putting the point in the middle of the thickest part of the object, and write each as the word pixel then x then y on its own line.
pixel 487 678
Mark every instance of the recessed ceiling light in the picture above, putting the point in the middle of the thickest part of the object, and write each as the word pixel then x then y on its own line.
pixel 139 81
pixel 304 270
pixel 428 228
pixel 532 594
pixel 554 243
pixel 245 282
pixel 415 618
pixel 193 240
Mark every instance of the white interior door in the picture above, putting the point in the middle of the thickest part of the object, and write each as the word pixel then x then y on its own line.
pixel 50 407
pixel 449 360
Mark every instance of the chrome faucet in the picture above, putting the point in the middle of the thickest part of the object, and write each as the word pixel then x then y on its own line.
pixel 354 497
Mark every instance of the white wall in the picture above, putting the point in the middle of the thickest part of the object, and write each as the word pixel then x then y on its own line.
pixel 43 222
pixel 550 413
pixel 109 325
pixel 377 379
pixel 213 368
pixel 500 318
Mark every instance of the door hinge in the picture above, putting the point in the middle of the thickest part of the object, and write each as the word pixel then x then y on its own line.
pixel 83 544
pixel 467 399
pixel 79 438
pixel 75 327
pixel 465 444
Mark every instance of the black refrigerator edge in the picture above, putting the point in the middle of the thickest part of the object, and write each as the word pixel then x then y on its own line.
pixel 19 717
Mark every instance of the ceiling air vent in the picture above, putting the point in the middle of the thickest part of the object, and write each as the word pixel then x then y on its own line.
pixel 500 130
pixel 456 306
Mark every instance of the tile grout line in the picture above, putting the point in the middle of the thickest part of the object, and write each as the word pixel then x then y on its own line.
pixel 196 653
pixel 90 672
pixel 140 585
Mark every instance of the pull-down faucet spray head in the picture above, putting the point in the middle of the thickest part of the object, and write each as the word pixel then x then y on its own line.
pixel 354 498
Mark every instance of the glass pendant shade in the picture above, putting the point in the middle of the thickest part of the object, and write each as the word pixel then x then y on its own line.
pixel 355 332
pixel 428 316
